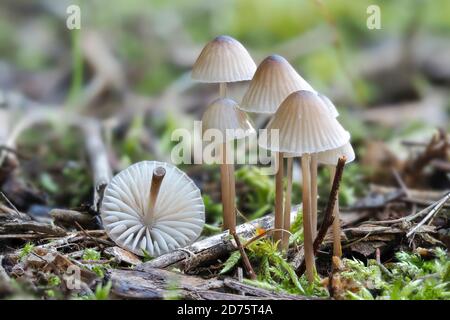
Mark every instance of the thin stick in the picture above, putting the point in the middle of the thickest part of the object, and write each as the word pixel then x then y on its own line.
pixel 287 205
pixel 225 190
pixel 247 264
pixel 308 240
pixel 328 218
pixel 313 169
pixel 157 178
pixel 433 211
pixel 277 236
pixel 337 248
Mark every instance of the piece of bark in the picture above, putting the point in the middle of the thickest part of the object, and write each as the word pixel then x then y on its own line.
pixel 210 248
pixel 259 292
pixel 122 255
pixel 37 227
pixel 69 217
pixel 163 284
pixel 5 281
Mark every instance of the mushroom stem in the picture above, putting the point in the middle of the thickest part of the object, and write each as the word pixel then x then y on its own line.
pixel 223 89
pixel 314 194
pixel 228 219
pixel 232 197
pixel 157 178
pixel 337 247
pixel 278 225
pixel 308 240
pixel 287 205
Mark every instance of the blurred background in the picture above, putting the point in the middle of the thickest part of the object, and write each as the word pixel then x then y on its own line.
pixel 124 80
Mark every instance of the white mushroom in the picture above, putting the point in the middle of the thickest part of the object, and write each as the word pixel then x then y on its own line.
pixel 152 206
pixel 224 60
pixel 224 115
pixel 273 81
pixel 305 127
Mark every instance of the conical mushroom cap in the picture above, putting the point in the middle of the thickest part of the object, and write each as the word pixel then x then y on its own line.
pixel 179 212
pixel 305 126
pixel 224 59
pixel 330 105
pixel 224 114
pixel 331 157
pixel 273 81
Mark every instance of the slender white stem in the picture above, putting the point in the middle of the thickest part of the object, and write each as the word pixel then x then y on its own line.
pixel 287 204
pixel 158 176
pixel 223 89
pixel 225 189
pixel 314 194
pixel 308 240
pixel 279 200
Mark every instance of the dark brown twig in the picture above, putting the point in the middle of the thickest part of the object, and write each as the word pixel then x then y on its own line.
pixel 328 219
pixel 245 260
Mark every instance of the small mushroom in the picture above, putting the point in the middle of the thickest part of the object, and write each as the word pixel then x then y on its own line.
pixel 224 60
pixel 273 81
pixel 305 127
pixel 330 158
pixel 152 206
pixel 224 115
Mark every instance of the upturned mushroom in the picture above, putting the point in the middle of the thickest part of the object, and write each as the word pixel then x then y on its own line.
pixel 330 158
pixel 224 60
pixel 152 207
pixel 273 81
pixel 224 115
pixel 305 127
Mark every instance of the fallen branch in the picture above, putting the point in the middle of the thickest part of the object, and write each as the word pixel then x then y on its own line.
pixel 432 212
pixel 211 248
pixel 247 264
pixel 154 284
pixel 328 219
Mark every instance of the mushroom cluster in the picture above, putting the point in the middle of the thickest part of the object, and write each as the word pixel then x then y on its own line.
pixel 152 207
pixel 306 126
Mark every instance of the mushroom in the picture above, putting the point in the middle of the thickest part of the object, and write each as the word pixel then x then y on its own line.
pixel 330 159
pixel 273 81
pixel 224 60
pixel 224 115
pixel 152 206
pixel 305 127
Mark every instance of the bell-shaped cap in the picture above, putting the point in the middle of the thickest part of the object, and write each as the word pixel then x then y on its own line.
pixel 273 81
pixel 177 217
pixel 304 126
pixel 224 59
pixel 330 157
pixel 224 115
pixel 330 105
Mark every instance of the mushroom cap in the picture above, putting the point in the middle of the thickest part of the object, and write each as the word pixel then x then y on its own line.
pixel 224 59
pixel 304 126
pixel 330 105
pixel 331 157
pixel 273 81
pixel 223 114
pixel 179 212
